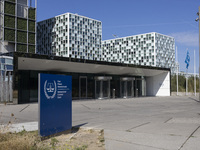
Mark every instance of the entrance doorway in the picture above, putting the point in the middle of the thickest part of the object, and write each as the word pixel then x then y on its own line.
pixel 127 87
pixel 140 87
pixel 82 87
pixel 102 87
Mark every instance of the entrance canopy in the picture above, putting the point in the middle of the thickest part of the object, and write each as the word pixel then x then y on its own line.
pixel 129 80
pixel 85 67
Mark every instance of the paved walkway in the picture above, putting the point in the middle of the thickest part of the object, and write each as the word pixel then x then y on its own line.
pixel 151 123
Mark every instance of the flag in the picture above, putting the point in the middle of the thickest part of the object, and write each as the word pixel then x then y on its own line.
pixel 187 60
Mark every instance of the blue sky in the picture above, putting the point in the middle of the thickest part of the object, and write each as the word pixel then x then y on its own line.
pixel 129 17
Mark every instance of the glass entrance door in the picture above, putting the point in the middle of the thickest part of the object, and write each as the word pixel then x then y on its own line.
pixel 126 87
pixel 102 87
pixel 106 88
pixel 98 89
pixel 83 87
pixel 130 91
pixel 140 85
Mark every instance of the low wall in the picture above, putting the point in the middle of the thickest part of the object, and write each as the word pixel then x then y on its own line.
pixel 183 94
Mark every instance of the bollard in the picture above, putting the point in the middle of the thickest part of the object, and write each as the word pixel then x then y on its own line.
pixel 113 93
pixel 136 93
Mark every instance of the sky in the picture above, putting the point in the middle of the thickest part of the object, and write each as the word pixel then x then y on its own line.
pixel 130 17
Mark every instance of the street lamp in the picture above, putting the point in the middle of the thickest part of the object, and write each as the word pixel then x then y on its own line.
pixel 198 19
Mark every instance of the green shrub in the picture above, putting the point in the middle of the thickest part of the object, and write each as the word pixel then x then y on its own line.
pixel 21 48
pixel 31 13
pixel 31 38
pixel 9 21
pixel 21 37
pixel 173 83
pixel 31 26
pixel 9 8
pixel 182 83
pixel 191 84
pixel 9 35
pixel 21 24
pixel 31 49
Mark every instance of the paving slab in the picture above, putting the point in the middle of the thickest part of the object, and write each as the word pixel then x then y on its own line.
pixel 167 142
pixel 18 127
pixel 173 129
pixel 122 125
pixel 184 120
pixel 192 144
pixel 122 145
pixel 197 132
pixel 193 141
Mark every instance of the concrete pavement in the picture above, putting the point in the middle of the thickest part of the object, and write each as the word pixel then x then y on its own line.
pixel 150 123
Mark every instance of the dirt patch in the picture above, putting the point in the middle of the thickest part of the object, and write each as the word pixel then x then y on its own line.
pixel 77 139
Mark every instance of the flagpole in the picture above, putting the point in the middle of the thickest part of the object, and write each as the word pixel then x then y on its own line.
pixel 177 70
pixel 187 61
pixel 198 19
pixel 194 75
pixel 187 82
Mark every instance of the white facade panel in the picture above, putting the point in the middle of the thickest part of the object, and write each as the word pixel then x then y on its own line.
pixel 158 85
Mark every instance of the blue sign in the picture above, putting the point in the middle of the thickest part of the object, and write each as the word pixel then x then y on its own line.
pixel 55 103
pixel 187 60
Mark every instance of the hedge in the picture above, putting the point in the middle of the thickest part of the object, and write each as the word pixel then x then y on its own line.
pixel 21 37
pixel 9 8
pixel 31 26
pixel 31 49
pixel 31 13
pixel 9 35
pixel 182 83
pixel 21 48
pixel 31 38
pixel 9 21
pixel 21 24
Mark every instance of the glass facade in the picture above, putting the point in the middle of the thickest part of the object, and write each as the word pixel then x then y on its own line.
pixel 84 86
pixel 6 64
pixel 6 70
pixel 17 26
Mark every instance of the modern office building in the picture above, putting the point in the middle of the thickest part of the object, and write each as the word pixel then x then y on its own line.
pixel 70 44
pixel 70 35
pixel 90 79
pixel 18 26
pixel 150 49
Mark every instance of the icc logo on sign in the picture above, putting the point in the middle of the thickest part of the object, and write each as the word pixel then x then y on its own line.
pixel 50 89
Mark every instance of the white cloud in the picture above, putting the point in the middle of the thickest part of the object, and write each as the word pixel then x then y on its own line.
pixel 186 38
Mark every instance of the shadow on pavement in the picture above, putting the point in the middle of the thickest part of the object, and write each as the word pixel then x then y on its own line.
pixel 194 99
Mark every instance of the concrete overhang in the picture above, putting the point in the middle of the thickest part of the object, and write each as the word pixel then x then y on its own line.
pixel 84 67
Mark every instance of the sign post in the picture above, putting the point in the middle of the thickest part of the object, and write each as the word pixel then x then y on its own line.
pixel 55 104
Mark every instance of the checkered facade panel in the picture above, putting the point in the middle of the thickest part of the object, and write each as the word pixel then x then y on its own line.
pixel 151 49
pixel 70 35
pixel 165 51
